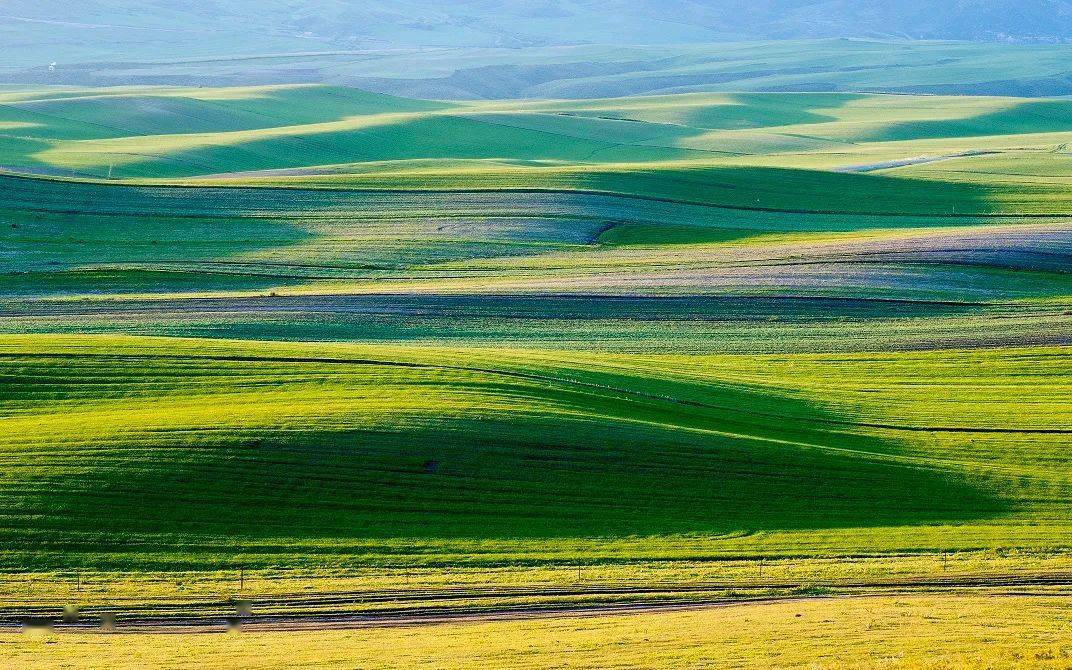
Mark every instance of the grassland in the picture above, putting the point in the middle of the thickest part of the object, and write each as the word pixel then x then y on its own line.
pixel 328 131
pixel 346 354
pixel 908 633
pixel 259 441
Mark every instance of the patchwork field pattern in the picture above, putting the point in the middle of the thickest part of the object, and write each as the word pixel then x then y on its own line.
pixel 325 335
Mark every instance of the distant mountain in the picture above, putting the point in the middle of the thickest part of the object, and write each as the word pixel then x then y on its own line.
pixel 125 30
pixel 547 48
pixel 974 20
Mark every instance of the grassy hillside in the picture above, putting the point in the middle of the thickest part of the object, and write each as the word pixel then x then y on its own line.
pixel 316 451
pixel 345 340
pixel 724 149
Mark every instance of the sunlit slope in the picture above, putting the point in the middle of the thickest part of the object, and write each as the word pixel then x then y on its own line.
pixel 225 130
pixel 650 321
pixel 316 130
pixel 132 452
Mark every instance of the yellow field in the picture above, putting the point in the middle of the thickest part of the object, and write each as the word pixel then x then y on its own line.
pixel 910 632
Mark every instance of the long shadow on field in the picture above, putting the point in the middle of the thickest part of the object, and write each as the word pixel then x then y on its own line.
pixel 767 110
pixel 72 118
pixel 720 196
pixel 577 454
pixel 1029 116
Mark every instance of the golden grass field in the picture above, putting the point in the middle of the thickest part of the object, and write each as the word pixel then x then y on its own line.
pixel 910 632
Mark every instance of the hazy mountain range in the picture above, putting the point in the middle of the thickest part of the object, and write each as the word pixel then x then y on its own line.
pixel 122 29
pixel 534 48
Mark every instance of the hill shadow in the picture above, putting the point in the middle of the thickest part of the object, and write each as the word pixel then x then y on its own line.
pixel 587 455
pixel 1025 117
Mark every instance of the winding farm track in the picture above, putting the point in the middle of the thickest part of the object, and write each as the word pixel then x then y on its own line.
pixel 917 160
pixel 364 609
pixel 343 620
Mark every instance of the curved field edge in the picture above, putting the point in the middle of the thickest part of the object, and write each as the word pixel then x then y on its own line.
pixel 734 188
pixel 157 453
pixel 779 152
pixel 67 238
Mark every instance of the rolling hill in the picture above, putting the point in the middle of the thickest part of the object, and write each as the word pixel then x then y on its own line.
pixel 282 324
pixel 348 357
pixel 536 334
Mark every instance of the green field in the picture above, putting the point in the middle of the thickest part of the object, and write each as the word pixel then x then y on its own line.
pixel 333 453
pixel 469 354
pixel 672 146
